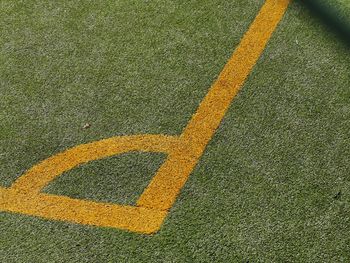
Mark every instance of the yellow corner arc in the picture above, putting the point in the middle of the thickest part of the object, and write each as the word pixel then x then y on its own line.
pixel 183 151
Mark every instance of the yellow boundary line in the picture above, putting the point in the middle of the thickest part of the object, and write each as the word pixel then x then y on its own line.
pixel 183 151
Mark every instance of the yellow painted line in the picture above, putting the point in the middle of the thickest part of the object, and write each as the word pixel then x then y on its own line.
pixel 132 218
pixel 184 151
pixel 43 173
pixel 166 184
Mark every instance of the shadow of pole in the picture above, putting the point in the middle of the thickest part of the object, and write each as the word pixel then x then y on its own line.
pixel 331 16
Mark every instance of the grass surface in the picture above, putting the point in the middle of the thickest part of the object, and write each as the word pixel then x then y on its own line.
pixel 272 186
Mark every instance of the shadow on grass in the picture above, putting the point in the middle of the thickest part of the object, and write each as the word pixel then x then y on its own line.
pixel 331 16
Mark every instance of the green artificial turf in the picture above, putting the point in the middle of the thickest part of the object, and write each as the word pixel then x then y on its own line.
pixel 273 184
